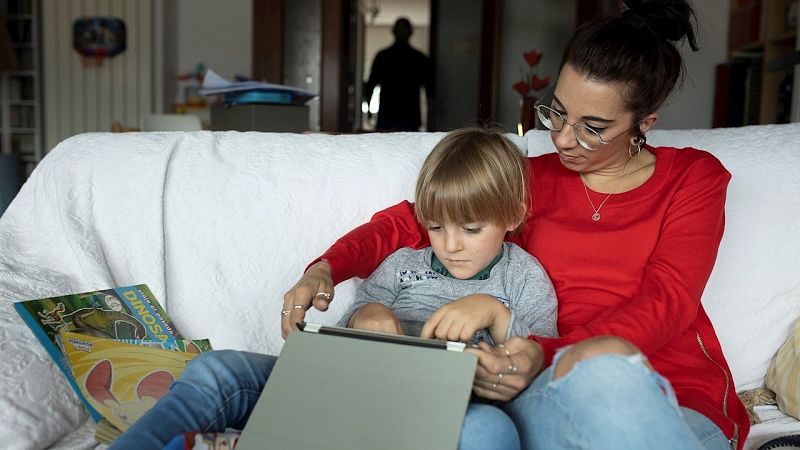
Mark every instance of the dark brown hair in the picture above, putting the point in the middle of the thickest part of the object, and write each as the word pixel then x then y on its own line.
pixel 636 50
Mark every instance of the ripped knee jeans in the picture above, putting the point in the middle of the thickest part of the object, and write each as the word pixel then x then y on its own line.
pixel 609 401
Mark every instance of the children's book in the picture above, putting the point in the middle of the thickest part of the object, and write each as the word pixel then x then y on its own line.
pixel 130 313
pixel 123 380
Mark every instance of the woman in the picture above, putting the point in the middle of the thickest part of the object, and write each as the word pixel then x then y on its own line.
pixel 628 233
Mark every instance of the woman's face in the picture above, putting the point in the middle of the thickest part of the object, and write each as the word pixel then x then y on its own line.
pixel 598 105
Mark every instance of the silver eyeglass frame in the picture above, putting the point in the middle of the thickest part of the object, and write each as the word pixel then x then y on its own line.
pixel 544 119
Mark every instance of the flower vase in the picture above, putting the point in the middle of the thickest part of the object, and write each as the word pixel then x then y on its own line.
pixel 527 115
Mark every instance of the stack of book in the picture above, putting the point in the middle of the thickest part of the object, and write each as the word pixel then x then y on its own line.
pixel 117 348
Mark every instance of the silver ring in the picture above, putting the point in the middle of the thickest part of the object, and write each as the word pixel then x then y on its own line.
pixel 325 295
pixel 285 312
pixel 298 306
pixel 500 377
pixel 512 367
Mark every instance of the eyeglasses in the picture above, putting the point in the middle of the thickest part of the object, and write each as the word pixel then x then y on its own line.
pixel 588 137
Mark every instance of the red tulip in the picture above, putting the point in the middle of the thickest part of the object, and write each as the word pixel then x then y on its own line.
pixel 521 87
pixel 532 57
pixel 540 83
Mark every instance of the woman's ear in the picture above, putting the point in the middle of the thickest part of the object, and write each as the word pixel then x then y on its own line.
pixel 648 122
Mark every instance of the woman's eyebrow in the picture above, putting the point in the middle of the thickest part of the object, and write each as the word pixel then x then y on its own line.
pixel 584 118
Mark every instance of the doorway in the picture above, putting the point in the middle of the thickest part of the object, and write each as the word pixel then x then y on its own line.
pixel 379 17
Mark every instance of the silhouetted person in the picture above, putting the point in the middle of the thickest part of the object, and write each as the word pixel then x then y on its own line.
pixel 400 70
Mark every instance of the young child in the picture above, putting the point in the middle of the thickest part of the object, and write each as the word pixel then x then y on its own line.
pixel 468 285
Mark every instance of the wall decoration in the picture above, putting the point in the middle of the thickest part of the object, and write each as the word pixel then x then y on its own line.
pixel 97 38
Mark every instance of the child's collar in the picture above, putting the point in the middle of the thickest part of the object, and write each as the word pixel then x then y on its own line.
pixel 439 268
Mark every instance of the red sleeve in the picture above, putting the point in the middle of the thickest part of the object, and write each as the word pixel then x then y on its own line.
pixel 359 252
pixel 675 274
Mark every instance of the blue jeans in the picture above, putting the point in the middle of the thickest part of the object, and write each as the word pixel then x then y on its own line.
pixel 610 401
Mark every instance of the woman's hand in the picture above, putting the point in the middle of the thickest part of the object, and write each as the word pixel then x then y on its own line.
pixel 375 317
pixel 315 288
pixel 505 371
pixel 460 319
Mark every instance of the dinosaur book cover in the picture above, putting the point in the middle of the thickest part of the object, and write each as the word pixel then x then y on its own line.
pixel 123 380
pixel 130 312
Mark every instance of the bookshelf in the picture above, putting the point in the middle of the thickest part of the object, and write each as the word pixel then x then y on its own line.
pixel 20 93
pixel 755 83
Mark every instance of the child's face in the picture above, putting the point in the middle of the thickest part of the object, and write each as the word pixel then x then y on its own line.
pixel 467 248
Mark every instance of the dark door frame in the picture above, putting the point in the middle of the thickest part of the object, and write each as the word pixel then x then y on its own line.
pixel 267 54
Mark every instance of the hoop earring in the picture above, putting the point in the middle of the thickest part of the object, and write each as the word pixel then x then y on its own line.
pixel 638 142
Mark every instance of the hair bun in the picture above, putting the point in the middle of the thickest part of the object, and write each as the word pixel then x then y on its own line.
pixel 667 19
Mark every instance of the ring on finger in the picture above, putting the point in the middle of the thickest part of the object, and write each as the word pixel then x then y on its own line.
pixel 494 385
pixel 285 312
pixel 325 295
pixel 298 306
pixel 512 367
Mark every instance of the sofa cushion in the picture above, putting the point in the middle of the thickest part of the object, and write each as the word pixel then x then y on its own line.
pixel 783 374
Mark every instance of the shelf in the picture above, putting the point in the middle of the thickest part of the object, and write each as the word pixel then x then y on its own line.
pixel 755 53
pixel 27 158
pixel 755 47
pixel 760 45
pixel 20 90
pixel 788 37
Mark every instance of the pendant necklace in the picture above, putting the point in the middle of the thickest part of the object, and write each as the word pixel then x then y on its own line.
pixel 596 215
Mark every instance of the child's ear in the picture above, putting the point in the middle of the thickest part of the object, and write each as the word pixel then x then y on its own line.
pixel 524 213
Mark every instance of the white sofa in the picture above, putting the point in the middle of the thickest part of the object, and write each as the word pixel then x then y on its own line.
pixel 219 225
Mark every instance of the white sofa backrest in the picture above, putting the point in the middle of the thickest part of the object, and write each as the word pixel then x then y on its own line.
pixel 753 295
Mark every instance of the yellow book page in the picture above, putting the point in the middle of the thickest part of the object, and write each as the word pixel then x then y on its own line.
pixel 122 381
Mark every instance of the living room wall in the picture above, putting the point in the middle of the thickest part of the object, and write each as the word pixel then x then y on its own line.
pixel 693 105
pixel 546 25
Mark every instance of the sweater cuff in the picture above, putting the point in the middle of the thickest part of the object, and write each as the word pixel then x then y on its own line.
pixel 549 346
pixel 333 263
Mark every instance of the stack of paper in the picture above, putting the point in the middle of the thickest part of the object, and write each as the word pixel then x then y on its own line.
pixel 244 92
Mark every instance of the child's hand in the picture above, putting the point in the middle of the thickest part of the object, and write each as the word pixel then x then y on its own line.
pixel 375 317
pixel 460 319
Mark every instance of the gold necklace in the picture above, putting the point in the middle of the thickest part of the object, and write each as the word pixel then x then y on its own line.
pixel 596 215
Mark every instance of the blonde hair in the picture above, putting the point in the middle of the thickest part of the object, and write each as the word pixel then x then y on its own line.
pixel 473 175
